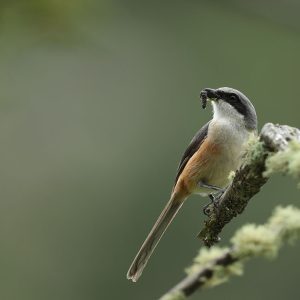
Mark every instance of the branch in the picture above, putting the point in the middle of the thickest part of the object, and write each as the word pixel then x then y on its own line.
pixel 214 266
pixel 195 281
pixel 248 179
pixel 276 150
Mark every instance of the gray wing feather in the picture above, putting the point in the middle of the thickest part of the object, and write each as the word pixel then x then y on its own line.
pixel 192 148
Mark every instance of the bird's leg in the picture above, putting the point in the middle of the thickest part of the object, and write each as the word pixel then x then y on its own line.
pixel 206 209
pixel 214 198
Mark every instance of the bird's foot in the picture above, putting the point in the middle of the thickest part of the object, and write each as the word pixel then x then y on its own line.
pixel 208 209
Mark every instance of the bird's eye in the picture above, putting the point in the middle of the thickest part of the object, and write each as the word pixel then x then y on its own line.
pixel 233 97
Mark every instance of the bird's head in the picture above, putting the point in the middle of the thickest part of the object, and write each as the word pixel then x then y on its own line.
pixel 230 104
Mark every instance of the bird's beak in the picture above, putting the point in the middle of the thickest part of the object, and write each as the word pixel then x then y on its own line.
pixel 208 94
pixel 212 94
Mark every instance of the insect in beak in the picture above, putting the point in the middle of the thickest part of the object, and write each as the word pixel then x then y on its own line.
pixel 203 98
pixel 208 94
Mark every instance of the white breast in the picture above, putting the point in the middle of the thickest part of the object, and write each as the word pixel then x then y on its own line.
pixel 227 128
pixel 231 138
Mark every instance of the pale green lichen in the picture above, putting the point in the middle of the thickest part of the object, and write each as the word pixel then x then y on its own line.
pixel 252 240
pixel 248 242
pixel 254 149
pixel 205 258
pixel 223 273
pixel 288 220
pixel 286 162
pixel 231 175
pixel 265 240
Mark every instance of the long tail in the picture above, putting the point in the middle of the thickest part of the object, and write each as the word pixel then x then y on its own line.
pixel 162 223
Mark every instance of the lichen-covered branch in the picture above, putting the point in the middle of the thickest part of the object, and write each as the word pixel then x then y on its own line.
pixel 216 265
pixel 248 180
pixel 276 150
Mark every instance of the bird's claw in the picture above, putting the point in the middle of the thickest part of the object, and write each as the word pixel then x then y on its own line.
pixel 208 209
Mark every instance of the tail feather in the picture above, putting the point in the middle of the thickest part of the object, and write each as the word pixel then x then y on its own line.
pixel 162 223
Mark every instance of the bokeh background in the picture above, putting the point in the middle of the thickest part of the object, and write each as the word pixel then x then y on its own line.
pixel 98 101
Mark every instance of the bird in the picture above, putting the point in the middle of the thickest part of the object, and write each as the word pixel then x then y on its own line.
pixel 215 151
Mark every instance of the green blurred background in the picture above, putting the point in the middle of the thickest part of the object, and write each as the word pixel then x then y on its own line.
pixel 98 101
